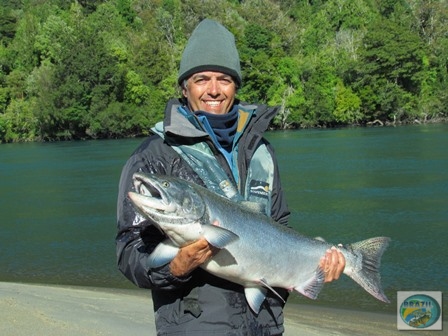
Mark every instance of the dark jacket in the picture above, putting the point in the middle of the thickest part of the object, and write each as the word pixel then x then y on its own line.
pixel 201 303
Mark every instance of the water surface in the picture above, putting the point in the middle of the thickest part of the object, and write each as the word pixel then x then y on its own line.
pixel 348 185
pixel 58 206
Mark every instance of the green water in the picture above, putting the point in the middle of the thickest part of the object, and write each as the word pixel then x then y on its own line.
pixel 58 202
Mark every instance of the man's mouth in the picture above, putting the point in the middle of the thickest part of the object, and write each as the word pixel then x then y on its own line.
pixel 213 103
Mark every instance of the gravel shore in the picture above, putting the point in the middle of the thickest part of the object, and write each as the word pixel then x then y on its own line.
pixel 28 309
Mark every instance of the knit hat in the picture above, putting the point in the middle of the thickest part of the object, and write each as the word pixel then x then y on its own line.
pixel 211 47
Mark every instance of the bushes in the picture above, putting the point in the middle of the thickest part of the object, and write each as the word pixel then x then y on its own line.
pixel 76 71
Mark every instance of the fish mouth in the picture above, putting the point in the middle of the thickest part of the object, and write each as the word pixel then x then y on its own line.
pixel 150 196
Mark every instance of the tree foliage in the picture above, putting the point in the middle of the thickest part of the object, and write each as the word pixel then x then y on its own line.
pixel 105 69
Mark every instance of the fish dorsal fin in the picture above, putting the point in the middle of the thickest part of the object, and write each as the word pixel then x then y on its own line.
pixel 253 206
pixel 218 236
pixel 265 284
pixel 162 254
pixel 255 297
pixel 312 286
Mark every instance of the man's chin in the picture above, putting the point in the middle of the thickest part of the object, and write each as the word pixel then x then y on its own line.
pixel 214 111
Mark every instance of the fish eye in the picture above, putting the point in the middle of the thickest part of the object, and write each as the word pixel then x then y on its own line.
pixel 165 184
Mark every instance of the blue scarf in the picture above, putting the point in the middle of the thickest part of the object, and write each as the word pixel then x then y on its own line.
pixel 223 125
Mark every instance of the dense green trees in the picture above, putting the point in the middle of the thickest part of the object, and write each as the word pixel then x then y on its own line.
pixel 105 68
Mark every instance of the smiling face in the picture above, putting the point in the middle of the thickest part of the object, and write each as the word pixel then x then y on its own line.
pixel 209 91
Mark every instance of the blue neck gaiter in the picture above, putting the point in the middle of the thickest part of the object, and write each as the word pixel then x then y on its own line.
pixel 223 125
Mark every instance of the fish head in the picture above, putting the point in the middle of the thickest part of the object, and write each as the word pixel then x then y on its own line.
pixel 166 200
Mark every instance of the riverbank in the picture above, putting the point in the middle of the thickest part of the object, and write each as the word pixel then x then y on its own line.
pixel 27 309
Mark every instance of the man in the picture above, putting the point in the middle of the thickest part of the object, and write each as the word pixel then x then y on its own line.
pixel 225 137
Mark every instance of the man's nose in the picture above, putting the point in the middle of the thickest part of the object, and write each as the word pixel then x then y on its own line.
pixel 213 87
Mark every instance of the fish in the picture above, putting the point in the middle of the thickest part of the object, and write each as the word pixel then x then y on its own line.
pixel 254 251
pixel 420 318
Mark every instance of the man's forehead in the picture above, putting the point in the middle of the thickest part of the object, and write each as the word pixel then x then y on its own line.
pixel 210 74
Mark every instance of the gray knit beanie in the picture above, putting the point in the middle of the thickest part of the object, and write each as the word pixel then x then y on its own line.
pixel 211 47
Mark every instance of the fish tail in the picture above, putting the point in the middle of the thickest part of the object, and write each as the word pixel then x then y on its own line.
pixel 366 273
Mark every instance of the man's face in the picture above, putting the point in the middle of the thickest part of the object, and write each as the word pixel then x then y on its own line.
pixel 209 91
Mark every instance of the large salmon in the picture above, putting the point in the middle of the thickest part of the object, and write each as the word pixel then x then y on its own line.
pixel 256 252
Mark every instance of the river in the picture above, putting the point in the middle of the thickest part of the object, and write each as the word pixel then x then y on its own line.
pixel 58 206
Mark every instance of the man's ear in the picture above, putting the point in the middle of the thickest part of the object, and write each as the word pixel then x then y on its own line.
pixel 184 88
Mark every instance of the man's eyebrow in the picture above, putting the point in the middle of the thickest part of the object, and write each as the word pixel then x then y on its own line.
pixel 204 76
pixel 199 76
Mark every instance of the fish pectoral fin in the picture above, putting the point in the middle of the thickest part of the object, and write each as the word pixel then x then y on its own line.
pixel 255 297
pixel 265 284
pixel 312 286
pixel 224 258
pixel 218 236
pixel 162 254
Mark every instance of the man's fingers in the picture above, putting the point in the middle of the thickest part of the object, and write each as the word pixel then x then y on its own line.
pixel 191 256
pixel 333 264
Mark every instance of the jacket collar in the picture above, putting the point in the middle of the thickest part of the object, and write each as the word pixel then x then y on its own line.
pixel 176 125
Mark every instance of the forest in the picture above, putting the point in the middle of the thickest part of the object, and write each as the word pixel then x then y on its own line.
pixel 106 68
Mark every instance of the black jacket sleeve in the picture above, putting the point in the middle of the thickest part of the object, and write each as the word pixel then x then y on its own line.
pixel 279 208
pixel 137 237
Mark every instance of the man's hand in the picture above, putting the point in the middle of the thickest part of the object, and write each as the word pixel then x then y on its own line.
pixel 333 264
pixel 192 256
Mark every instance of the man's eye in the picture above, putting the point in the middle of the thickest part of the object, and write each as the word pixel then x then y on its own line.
pixel 226 80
